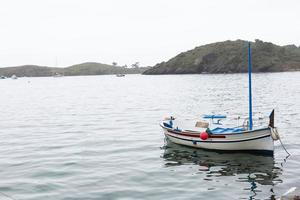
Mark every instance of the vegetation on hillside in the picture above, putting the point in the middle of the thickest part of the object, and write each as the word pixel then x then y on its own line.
pixel 231 57
pixel 89 68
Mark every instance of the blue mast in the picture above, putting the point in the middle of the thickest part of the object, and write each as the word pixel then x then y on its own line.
pixel 250 89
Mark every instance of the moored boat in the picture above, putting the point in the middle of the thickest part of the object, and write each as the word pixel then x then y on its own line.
pixel 226 139
pixel 241 138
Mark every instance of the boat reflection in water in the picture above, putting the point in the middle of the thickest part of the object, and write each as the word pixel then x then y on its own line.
pixel 259 173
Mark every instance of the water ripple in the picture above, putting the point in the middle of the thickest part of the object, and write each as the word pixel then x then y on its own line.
pixel 98 137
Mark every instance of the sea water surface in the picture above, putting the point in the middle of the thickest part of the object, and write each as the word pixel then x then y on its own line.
pixel 98 137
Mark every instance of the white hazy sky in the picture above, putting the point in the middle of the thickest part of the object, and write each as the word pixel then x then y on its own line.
pixel 74 31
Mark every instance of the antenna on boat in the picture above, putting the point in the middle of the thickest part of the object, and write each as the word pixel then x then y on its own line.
pixel 250 87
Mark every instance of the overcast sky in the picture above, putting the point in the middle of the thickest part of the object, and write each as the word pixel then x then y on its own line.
pixel 75 31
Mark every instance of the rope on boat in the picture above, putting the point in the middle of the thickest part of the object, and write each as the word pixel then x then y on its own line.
pixel 274 133
pixel 275 136
pixel 284 147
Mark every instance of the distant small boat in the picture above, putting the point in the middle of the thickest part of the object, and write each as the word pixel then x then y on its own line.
pixel 120 75
pixel 209 136
pixel 57 75
pixel 2 77
pixel 14 77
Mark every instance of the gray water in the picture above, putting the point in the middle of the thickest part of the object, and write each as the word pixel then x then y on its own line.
pixel 97 137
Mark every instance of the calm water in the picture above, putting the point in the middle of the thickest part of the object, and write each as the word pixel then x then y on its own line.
pixel 98 137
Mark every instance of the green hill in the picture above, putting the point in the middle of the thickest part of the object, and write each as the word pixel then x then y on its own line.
pixel 231 57
pixel 29 70
pixel 89 68
pixel 92 68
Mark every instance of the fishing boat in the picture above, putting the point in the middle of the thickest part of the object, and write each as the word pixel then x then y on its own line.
pixel 120 75
pixel 210 136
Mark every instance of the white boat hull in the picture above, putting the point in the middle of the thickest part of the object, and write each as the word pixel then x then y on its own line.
pixel 256 140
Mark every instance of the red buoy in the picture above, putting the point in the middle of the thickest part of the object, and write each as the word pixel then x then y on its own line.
pixel 204 135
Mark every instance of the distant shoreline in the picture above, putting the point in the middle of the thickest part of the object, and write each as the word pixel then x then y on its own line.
pixel 227 57
pixel 83 69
